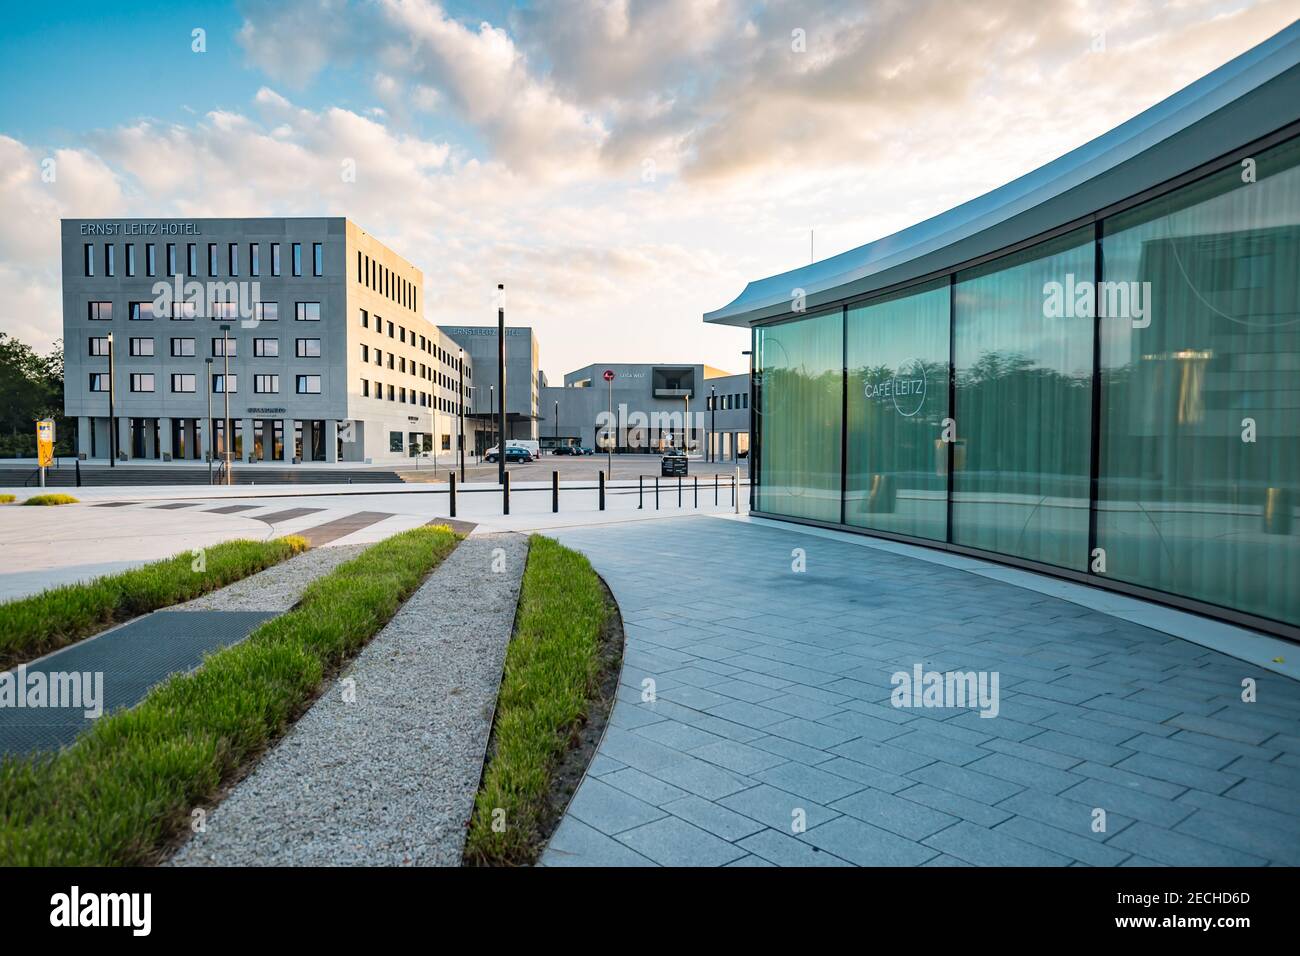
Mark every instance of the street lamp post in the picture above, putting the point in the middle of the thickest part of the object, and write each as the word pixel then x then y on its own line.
pixel 752 466
pixel 208 424
pixel 112 407
pixel 686 427
pixel 557 424
pixel 492 415
pixel 611 439
pixel 460 404
pixel 226 437
pixel 501 378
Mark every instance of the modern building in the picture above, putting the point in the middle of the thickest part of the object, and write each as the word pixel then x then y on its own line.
pixel 312 328
pixel 1092 371
pixel 524 379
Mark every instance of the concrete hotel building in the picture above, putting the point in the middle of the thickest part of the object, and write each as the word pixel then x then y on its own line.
pixel 330 357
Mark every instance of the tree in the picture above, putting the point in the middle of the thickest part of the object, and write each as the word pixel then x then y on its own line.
pixel 31 387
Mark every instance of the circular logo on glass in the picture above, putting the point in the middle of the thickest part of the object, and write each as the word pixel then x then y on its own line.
pixel 905 390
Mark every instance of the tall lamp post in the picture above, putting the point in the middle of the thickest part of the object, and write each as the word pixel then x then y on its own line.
pixel 752 466
pixel 501 378
pixel 557 423
pixel 713 423
pixel 460 405
pixel 112 407
pixel 207 427
pixel 226 437
pixel 686 427
pixel 492 416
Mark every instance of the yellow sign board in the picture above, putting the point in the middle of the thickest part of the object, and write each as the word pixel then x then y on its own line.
pixel 45 442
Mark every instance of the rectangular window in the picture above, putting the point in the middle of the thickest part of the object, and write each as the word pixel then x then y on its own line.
pixel 394 441
pixel 184 311
pixel 142 381
pixel 233 255
pixel 141 312
pixel 192 259
pixel 171 259
pixel 212 258
pixel 266 348
pixel 101 311
pixel 219 383
pixel 110 261
pixel 365 388
pixel 308 312
pixel 150 259
pixel 308 384
pixel 254 260
pixel 266 384
pixel 98 344
pixel 219 343
pixel 99 381
pixel 266 311
pixel 365 319
pixel 183 382
pixel 141 347
pixel 297 258
pixel 391 330
pixel 130 259
pixel 308 348
pixel 182 348
pixel 391 393
pixel 317 259
pixel 365 352
pixel 275 258
pixel 89 252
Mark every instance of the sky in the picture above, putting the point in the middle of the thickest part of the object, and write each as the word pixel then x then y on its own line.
pixel 622 166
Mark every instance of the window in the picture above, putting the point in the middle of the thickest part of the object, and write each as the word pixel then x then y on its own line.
pixel 110 260
pixel 101 311
pixel 379 357
pixel 266 384
pixel 394 441
pixel 141 347
pixel 392 393
pixel 142 381
pixel 89 252
pixel 98 344
pixel 391 363
pixel 390 330
pixel 184 311
pixel 226 309
pixel 365 388
pixel 150 259
pixel 141 312
pixel 266 348
pixel 365 352
pixel 182 348
pixel 308 384
pixel 266 311
pixel 171 259
pixel 317 259
pixel 183 381
pixel 234 258
pixel 402 337
pixel 218 343
pixel 130 259
pixel 365 319
pixel 308 348
pixel 219 383
pixel 212 258
pixel 297 258
pixel 254 260
pixel 99 381
pixel 308 312
pixel 401 395
pixel 275 258
pixel 192 259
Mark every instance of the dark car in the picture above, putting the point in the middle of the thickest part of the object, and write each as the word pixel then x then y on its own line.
pixel 584 450
pixel 672 463
pixel 566 450
pixel 514 453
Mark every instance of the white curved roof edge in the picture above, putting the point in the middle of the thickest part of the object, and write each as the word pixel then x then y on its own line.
pixel 1229 84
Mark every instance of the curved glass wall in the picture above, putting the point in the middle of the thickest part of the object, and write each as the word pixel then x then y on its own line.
pixel 897 361
pixel 1195 424
pixel 1200 419
pixel 801 397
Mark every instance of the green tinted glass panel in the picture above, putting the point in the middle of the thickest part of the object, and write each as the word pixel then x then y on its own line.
pixel 1200 429
pixel 1023 357
pixel 800 414
pixel 897 401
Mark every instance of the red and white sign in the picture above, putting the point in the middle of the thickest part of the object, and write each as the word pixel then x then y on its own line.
pixel 609 375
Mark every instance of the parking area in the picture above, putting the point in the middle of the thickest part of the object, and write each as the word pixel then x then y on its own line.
pixel 571 468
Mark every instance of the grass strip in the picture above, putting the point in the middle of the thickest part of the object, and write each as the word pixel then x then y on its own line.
pixel 128 785
pixel 40 623
pixel 6 499
pixel 52 499
pixel 551 672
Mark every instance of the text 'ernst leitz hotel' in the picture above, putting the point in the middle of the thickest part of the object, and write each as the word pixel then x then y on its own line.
pixel 1093 370
pixel 312 326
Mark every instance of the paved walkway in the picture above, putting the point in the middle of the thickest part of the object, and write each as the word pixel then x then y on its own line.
pixel 770 737
pixel 387 778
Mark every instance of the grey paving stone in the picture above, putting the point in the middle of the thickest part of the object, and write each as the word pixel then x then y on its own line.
pixel 643 786
pixel 865 725
pixel 1129 780
pixel 1278 774
pixel 954 805
pixel 1068 843
pixel 576 844
pixel 600 765
pixel 701 778
pixel 1114 798
pixel 750 860
pixel 609 809
pixel 717 819
pixel 745 690
pixel 695 697
pixel 1267 842
pixel 886 757
pixel 741 758
pixel 1027 751
pixel 1217 727
pixel 674 842
pixel 971 784
pixel 895 814
pixel 865 845
pixel 1209 758
pixel 982 847
pixel 1081 747
pixel 870 776
pixel 1063 814
pixel 797 706
pixel 1027 773
pixel 1175 771
pixel 634 749
pixel 791 750
pixel 782 850
pixel 777 808
pixel 810 733
pixel 940 747
pixel 1178 849
pixel 1282 799
pixel 680 736
pixel 810 782
pixel 748 715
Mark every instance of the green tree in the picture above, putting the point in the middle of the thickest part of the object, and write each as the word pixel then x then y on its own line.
pixel 31 387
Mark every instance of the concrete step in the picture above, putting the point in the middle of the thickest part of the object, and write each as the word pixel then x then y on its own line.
pixel 103 476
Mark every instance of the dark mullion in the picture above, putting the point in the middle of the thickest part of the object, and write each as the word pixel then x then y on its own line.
pixel 1094 464
pixel 844 413
pixel 952 394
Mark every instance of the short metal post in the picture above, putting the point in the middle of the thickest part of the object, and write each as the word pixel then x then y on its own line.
pixel 453 494
pixel 679 491
pixel 735 482
pixel 640 492
pixel 78 464
pixel 697 491
pixel 602 491
pixel 555 492
pixel 505 493
pixel 715 489
pixel 656 492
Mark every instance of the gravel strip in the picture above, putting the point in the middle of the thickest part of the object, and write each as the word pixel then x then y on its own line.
pixel 279 587
pixel 389 779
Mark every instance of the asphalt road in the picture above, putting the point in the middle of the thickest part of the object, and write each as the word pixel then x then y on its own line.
pixel 570 468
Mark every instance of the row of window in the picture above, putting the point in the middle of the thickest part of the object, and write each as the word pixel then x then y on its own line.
pixel 379 278
pixel 185 348
pixel 425 344
pixel 108 256
pixel 725 402
pixel 182 382
pixel 102 311
pixel 408 396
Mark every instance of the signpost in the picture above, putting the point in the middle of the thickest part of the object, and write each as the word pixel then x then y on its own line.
pixel 610 439
pixel 44 445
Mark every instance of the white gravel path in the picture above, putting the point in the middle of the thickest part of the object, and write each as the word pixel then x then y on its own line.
pixel 279 587
pixel 390 778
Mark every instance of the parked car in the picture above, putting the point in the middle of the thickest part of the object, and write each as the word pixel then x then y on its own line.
pixel 566 450
pixel 514 453
pixel 584 450
pixel 672 463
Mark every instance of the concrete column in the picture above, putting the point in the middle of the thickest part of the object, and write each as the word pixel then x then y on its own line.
pixel 201 428
pixel 124 437
pixel 165 438
pixel 246 426
pixel 331 441
pixel 84 424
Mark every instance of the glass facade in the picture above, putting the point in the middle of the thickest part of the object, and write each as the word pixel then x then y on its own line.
pixel 1122 401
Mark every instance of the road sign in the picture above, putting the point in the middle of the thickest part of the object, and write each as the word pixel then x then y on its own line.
pixel 609 375
pixel 45 442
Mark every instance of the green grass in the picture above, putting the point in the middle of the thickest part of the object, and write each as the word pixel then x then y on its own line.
pixel 551 674
pixel 51 499
pixel 127 786
pixel 6 499
pixel 36 625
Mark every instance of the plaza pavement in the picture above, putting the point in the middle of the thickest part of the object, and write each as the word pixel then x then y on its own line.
pixel 754 724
